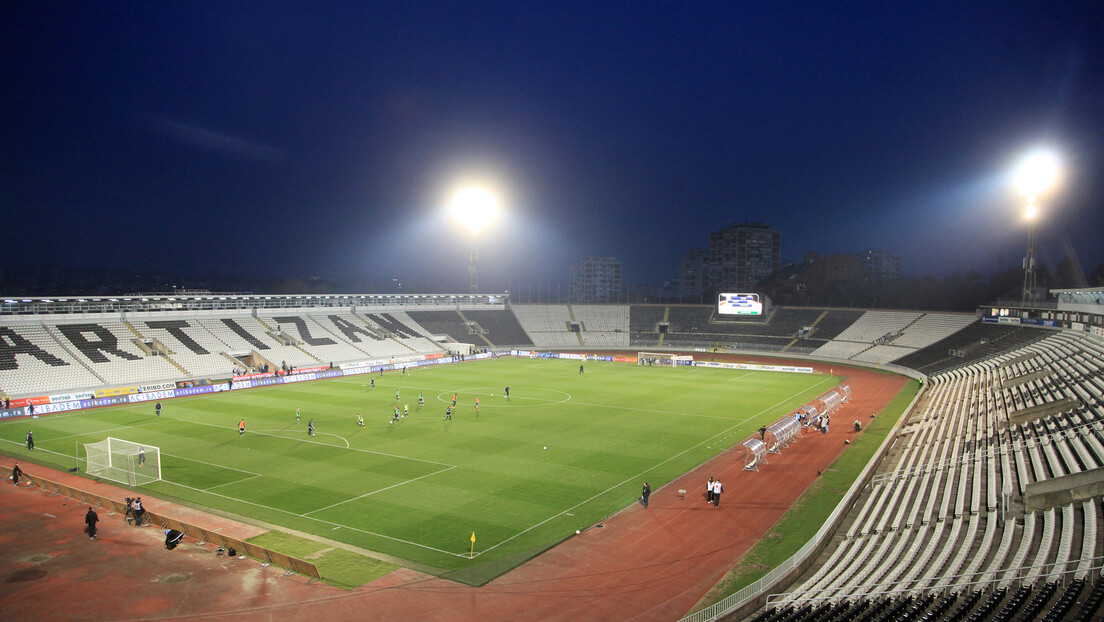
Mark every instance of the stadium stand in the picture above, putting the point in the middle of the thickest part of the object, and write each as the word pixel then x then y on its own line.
pixel 945 515
pixel 498 328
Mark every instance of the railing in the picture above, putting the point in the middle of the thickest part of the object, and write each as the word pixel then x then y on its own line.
pixel 203 536
pixel 748 594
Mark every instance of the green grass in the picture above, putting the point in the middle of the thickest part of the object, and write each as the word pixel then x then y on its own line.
pixel 417 490
pixel 338 567
pixel 807 515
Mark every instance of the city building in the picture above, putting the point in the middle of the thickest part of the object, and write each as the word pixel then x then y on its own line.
pixel 881 266
pixel 596 280
pixel 738 259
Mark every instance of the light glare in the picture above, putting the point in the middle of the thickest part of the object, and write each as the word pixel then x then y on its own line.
pixel 1037 173
pixel 475 208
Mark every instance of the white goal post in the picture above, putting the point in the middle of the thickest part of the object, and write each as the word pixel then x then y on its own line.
pixel 668 359
pixel 122 461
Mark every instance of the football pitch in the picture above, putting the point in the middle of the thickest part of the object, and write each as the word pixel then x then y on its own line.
pixel 563 452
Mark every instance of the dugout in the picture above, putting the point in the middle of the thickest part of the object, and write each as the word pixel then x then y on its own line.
pixel 756 454
pixel 782 433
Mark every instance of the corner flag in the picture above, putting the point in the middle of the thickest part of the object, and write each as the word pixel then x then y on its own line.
pixel 473 546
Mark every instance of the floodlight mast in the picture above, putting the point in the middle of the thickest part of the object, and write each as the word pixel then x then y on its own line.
pixel 475 208
pixel 1036 175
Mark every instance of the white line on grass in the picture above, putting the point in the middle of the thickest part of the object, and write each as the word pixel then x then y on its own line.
pixel 319 520
pixel 368 494
pixel 219 466
pixel 307 440
pixel 237 481
pixel 567 512
pixel 278 432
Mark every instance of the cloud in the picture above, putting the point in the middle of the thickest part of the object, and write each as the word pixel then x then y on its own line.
pixel 217 141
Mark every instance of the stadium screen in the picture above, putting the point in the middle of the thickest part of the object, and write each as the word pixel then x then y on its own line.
pixel 739 304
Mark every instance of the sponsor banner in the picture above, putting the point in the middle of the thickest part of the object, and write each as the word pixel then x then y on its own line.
pixel 71 397
pixel 251 376
pixel 118 391
pixel 62 407
pixel 1008 320
pixel 106 401
pixel 10 413
pixel 164 386
pixel 749 367
pixel 307 370
pixel 990 319
pixel 1040 322
pixel 200 390
pixel 187 384
pixel 299 378
pixel 37 401
pixel 623 359
pixel 152 396
pixel 435 355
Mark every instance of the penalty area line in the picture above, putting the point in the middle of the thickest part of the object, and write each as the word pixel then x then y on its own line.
pixel 319 520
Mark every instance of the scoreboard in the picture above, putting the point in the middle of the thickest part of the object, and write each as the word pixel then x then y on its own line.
pixel 739 304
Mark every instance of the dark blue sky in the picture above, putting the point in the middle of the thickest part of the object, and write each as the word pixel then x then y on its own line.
pixel 256 137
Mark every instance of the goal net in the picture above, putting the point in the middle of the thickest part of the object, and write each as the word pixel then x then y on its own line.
pixel 666 359
pixel 122 461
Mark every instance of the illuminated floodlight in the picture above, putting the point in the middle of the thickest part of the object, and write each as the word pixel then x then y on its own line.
pixel 1031 212
pixel 1037 173
pixel 475 208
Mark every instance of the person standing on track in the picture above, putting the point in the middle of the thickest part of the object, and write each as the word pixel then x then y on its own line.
pixel 644 494
pixel 717 490
pixel 90 520
pixel 709 491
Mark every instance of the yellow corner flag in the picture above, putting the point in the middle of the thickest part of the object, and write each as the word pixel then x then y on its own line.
pixel 473 546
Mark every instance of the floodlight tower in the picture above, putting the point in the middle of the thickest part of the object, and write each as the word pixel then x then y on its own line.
pixel 1036 175
pixel 474 208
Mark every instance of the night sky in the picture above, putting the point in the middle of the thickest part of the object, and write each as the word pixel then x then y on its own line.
pixel 325 138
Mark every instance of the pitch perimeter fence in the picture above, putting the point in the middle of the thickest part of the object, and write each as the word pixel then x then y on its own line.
pixel 202 536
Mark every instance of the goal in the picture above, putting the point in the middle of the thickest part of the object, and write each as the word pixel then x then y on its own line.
pixel 663 358
pixel 122 461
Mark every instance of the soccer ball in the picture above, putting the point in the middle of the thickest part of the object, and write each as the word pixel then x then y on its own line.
pixel 577 532
pixel 546 446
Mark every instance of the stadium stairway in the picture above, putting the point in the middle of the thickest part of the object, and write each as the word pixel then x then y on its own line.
pixel 578 335
pixel 666 318
pixel 481 335
pixel 812 330
pixel 176 365
pixel 131 328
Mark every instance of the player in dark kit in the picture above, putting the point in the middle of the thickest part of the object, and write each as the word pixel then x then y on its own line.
pixel 157 409
pixel 448 413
